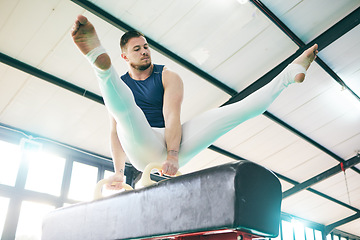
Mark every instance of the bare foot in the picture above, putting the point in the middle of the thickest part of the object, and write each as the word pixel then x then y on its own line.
pixel 305 59
pixel 84 35
pixel 86 39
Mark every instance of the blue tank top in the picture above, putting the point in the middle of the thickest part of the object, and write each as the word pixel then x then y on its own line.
pixel 149 94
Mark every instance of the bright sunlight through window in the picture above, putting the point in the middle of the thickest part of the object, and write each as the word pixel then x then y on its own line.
pixel 83 181
pixel 30 220
pixel 4 204
pixel 287 230
pixel 309 232
pixel 298 230
pixel 10 156
pixel 318 235
pixel 45 173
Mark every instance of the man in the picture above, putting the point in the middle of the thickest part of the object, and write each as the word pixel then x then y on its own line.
pixel 145 104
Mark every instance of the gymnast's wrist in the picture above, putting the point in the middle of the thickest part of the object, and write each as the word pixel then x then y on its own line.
pixel 119 171
pixel 173 153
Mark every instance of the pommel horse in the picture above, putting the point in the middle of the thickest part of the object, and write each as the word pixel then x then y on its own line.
pixel 238 201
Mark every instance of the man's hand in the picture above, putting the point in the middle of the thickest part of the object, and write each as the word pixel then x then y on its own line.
pixel 115 181
pixel 171 165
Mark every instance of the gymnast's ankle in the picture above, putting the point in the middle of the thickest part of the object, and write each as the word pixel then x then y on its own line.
pixel 99 58
pixel 305 59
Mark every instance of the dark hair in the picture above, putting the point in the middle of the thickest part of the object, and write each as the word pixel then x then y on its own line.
pixel 127 36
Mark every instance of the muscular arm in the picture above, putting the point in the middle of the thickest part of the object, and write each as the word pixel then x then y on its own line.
pixel 118 156
pixel 173 96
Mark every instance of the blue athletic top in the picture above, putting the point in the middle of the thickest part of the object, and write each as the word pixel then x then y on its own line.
pixel 149 94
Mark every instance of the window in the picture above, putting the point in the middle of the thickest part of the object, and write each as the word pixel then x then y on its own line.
pixel 4 205
pixel 45 173
pixel 83 181
pixel 318 235
pixel 298 230
pixel 10 156
pixel 287 230
pixel 309 232
pixel 30 220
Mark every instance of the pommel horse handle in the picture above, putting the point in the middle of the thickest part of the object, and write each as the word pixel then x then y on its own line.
pixel 101 183
pixel 144 181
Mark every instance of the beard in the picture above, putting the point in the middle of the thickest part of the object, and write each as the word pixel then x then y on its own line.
pixel 141 67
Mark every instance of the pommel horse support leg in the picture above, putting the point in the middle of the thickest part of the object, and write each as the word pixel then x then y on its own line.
pixel 232 201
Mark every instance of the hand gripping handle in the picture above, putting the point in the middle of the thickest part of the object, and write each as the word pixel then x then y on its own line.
pixel 145 179
pixel 101 183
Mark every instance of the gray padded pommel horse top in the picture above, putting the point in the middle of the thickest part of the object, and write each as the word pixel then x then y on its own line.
pixel 240 196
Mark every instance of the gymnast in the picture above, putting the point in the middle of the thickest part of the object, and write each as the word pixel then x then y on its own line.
pixel 144 104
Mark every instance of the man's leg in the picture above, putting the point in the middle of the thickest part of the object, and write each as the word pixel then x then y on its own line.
pixel 205 129
pixel 139 141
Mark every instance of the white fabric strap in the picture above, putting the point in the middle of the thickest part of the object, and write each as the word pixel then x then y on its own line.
pixel 289 73
pixel 94 54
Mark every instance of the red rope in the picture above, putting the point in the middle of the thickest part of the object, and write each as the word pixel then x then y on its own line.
pixel 342 166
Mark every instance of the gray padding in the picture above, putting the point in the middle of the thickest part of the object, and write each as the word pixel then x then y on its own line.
pixel 243 196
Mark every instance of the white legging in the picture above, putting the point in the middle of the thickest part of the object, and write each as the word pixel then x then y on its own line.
pixel 144 144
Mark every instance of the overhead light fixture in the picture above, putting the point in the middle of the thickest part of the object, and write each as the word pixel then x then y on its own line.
pixel 243 1
pixel 349 98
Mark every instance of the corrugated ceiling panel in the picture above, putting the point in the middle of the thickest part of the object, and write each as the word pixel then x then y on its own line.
pixel 199 161
pixel 314 208
pixel 52 30
pixel 11 81
pixel 340 186
pixel 19 30
pixel 351 227
pixel 221 159
pixel 343 56
pixel 305 19
pixel 303 97
pixel 47 110
pixel 244 132
pixel 311 167
pixel 319 110
pixel 266 142
pixel 276 148
pixel 260 55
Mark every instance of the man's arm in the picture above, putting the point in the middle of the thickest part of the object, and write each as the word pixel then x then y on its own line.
pixel 173 96
pixel 118 156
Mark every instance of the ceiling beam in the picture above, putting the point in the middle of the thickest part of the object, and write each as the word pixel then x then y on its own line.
pixel 161 49
pixel 322 176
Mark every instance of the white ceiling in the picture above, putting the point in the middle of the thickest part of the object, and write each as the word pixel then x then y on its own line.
pixel 236 44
